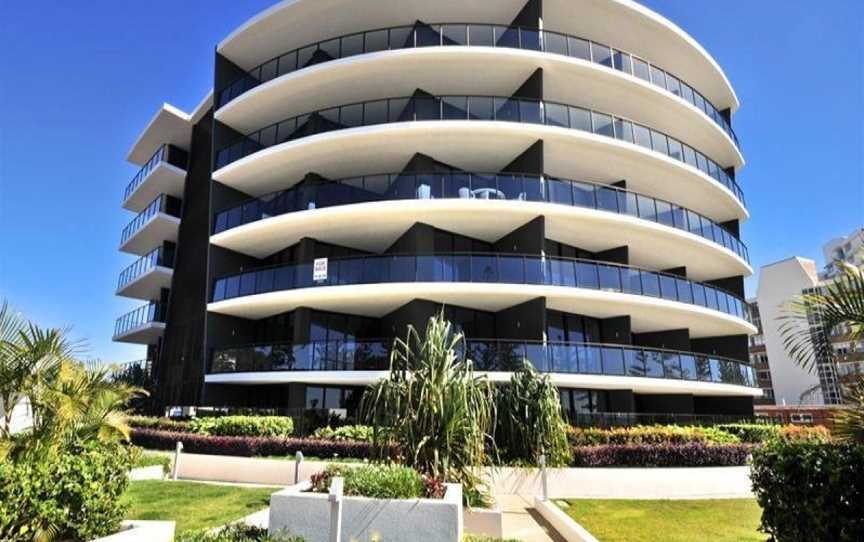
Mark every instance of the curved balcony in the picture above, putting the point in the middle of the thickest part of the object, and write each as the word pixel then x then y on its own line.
pixel 612 360
pixel 477 186
pixel 159 221
pixel 164 173
pixel 143 325
pixel 482 268
pixel 472 35
pixel 146 277
pixel 474 108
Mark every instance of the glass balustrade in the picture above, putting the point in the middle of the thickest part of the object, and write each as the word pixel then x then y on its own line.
pixel 472 35
pixel 145 314
pixel 482 268
pixel 482 108
pixel 493 355
pixel 157 257
pixel 162 204
pixel 477 186
pixel 166 153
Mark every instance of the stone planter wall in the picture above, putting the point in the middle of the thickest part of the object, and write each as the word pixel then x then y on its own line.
pixel 142 531
pixel 308 515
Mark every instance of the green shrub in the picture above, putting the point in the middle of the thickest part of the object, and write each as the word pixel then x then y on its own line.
pixel 810 490
pixel 754 433
pixel 361 433
pixel 650 434
pixel 244 426
pixel 73 493
pixel 235 533
pixel 375 481
pixel 162 424
pixel 529 421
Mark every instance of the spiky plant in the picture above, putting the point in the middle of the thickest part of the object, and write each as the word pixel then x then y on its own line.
pixel 839 303
pixel 529 419
pixel 432 408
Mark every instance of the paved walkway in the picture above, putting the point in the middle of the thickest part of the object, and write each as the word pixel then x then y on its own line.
pixel 522 522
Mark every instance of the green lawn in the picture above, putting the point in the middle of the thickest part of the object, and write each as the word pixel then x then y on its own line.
pixel 193 505
pixel 724 520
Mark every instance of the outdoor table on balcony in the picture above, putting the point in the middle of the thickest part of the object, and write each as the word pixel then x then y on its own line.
pixel 487 193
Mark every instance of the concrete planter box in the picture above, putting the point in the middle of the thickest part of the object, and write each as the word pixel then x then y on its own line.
pixel 142 531
pixel 484 521
pixel 299 513
pixel 564 524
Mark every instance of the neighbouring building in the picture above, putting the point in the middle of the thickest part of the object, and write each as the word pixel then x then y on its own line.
pixel 779 284
pixel 559 175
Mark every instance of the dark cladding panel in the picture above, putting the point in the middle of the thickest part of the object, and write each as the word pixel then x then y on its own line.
pixel 180 369
pixel 730 346
pixel 526 321
pixel 664 404
pixel 674 339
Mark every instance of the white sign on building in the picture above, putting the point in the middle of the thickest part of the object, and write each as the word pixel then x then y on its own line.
pixel 319 270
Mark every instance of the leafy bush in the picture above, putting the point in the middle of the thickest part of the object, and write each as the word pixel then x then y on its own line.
pixel 380 482
pixel 754 433
pixel 163 424
pixel 662 455
pixel 529 421
pixel 362 433
pixel 235 533
pixel 810 490
pixel 73 494
pixel 649 434
pixel 807 433
pixel 244 426
pixel 249 446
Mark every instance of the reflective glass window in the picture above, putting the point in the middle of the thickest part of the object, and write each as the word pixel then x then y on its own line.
pixel 377 40
pixel 352 45
pixel 586 275
pixel 640 69
pixel 556 115
pixel 658 76
pixel 579 48
pixel 623 130
pixel 673 85
pixel 659 142
pixel 602 124
pixel 675 150
pixel 686 92
pixel 481 35
pixel 583 195
pixel 607 199
pixel 555 43
pixel 610 277
pixel 454 34
pixel 601 54
pixel 580 119
pixel 622 61
pixel 642 136
pixel 481 108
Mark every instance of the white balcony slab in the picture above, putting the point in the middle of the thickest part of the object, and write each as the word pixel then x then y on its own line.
pixel 160 227
pixel 165 178
pixel 147 285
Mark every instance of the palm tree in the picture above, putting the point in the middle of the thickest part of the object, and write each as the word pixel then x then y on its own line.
pixel 69 401
pixel 839 303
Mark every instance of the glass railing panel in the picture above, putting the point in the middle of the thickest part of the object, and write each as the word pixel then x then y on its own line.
pixel 489 355
pixel 477 35
pixel 162 204
pixel 151 312
pixel 157 257
pixel 481 268
pixel 475 108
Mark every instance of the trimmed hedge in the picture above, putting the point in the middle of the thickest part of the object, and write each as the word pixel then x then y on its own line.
pixel 374 481
pixel 649 434
pixel 77 491
pixel 243 426
pixel 662 455
pixel 163 424
pixel 810 490
pixel 346 432
pixel 248 446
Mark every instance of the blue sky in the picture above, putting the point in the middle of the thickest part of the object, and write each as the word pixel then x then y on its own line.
pixel 79 80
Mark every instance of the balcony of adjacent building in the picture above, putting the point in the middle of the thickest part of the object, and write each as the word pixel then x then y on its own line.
pixel 143 325
pixel 164 173
pixel 157 223
pixel 149 274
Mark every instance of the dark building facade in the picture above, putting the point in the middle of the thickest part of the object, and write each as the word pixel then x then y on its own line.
pixel 557 177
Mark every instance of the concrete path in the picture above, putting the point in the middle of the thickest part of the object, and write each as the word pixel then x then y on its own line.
pixel 522 522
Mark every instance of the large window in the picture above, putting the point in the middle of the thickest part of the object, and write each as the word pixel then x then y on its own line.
pixel 579 401
pixel 329 397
